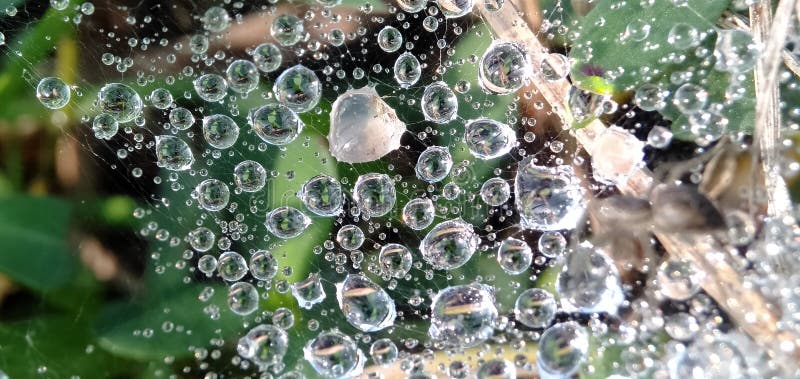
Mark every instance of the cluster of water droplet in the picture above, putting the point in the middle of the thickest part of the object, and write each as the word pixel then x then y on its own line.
pixel 424 249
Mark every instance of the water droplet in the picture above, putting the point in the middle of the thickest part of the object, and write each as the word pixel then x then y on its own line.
pixel 120 101
pixel 212 194
pixel 242 76
pixel 463 316
pixel 714 359
pixel 267 57
pixel 265 345
pixel 407 70
pixel 548 198
pixel 495 192
pixel 589 282
pixel 418 213
pixel 535 308
pixel 276 124
pixel 449 245
pixel 395 260
pixel 298 88
pixel 411 6
pixel 552 244
pixel 231 266
pixel 350 237
pixel 181 118
pixel 287 222
pixel 555 67
pixel 242 298
pixel 365 305
pixel 287 29
pixel 659 137
pixel 53 93
pixel 434 164
pixel 650 97
pixel 263 266
pixel 283 318
pixel 334 354
pixel 201 239
pixel 309 291
pixel 363 127
pixel 439 103
pixel 172 153
pixel 514 256
pixel 504 68
pixel 679 280
pixel 211 87
pixel 383 352
pixel 250 176
pixel 220 131
pixel 105 126
pixel 683 36
pixel 497 369
pixel 216 19
pixel 562 349
pixel 455 8
pixel 736 51
pixel 374 194
pixel 323 195
pixel 390 39
pixel 488 139
pixel 690 98
pixel 161 98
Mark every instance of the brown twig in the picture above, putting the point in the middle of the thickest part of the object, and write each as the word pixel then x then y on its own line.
pixel 772 33
pixel 746 306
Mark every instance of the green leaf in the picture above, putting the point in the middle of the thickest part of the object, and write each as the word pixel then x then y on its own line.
pixel 33 46
pixel 33 232
pixel 140 328
pixel 602 49
pixel 54 346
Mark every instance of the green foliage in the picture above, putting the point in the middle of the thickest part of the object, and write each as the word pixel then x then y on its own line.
pixel 33 233
pixel 605 60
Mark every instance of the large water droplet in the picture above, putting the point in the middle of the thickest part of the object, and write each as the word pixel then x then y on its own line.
pixel 298 88
pixel 120 101
pixel 535 308
pixel 562 349
pixel 323 195
pixel 434 164
pixel 242 76
pixel 547 198
pixel 334 354
pixel 211 87
pixel 250 176
pixel 589 282
pixel 287 222
pixel 265 345
pixel 449 245
pixel 488 139
pixel 173 153
pixel 220 131
pixel 374 194
pixel 419 213
pixel 309 291
pixel 365 304
pixel 395 260
pixel 439 103
pixel 514 256
pixel 463 315
pixel 276 124
pixel 363 127
pixel 504 68
pixel 53 93
pixel 212 194
pixel 407 70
